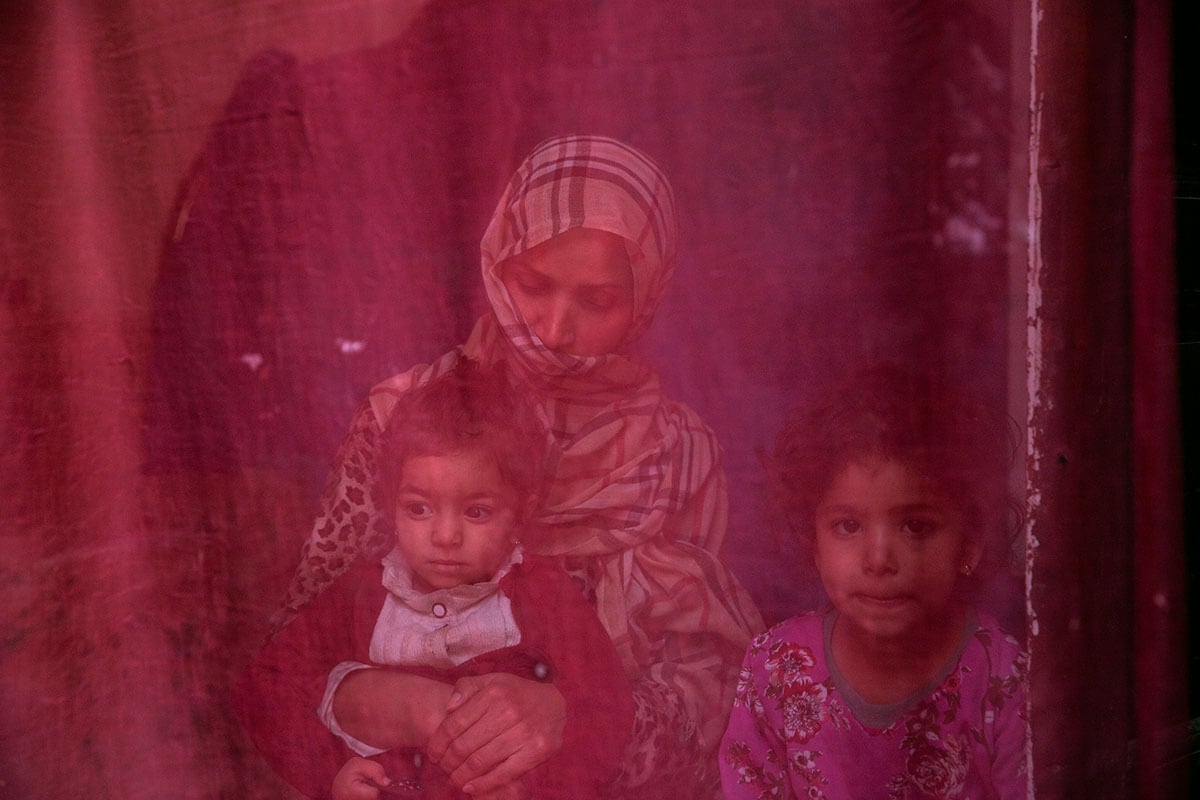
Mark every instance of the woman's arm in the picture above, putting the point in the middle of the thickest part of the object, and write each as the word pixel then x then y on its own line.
pixel 388 709
pixel 498 727
pixel 563 735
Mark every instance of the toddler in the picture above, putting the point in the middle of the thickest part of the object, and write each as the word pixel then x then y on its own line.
pixel 900 689
pixel 460 470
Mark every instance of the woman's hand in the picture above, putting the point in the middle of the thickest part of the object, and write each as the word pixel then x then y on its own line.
pixel 497 728
pixel 359 779
pixel 388 709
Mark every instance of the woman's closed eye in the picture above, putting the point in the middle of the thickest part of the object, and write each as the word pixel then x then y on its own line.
pixel 529 282
pixel 532 288
pixel 599 299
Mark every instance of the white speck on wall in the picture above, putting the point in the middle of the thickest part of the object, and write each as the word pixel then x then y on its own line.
pixel 1160 601
pixel 968 231
pixel 966 236
pixel 349 347
pixel 252 360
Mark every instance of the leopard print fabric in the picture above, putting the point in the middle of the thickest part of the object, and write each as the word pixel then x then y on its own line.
pixel 348 526
pixel 660 761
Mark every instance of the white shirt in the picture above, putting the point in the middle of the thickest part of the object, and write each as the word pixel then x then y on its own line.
pixel 439 629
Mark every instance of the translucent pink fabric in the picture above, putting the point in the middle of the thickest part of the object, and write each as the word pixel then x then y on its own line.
pixel 222 223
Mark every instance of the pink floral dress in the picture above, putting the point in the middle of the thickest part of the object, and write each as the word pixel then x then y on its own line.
pixel 798 730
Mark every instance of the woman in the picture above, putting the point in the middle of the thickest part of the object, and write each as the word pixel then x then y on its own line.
pixel 575 259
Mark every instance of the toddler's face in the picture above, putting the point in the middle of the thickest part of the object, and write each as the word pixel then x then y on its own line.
pixel 455 518
pixel 890 549
pixel 575 291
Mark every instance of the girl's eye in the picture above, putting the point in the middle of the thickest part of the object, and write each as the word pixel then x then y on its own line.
pixel 920 528
pixel 418 510
pixel 846 527
pixel 478 513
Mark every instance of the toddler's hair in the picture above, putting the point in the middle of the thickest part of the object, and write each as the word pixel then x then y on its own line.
pixel 467 409
pixel 883 413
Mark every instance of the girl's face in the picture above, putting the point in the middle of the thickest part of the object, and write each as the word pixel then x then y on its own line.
pixel 575 291
pixel 455 518
pixel 890 549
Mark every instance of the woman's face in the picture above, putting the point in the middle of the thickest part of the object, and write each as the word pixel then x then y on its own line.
pixel 575 291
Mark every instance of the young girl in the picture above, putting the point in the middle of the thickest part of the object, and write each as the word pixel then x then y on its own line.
pixel 575 259
pixel 460 474
pixel 900 689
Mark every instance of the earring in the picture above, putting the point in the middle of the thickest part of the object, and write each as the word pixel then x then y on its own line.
pixel 966 569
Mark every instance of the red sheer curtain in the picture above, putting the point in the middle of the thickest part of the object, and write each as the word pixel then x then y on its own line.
pixel 222 223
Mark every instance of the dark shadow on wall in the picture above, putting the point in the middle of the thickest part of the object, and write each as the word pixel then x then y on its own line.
pixel 1187 256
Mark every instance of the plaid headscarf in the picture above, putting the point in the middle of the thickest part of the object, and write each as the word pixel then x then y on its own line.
pixel 584 182
pixel 636 493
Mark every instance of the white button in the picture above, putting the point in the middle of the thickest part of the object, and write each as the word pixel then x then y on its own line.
pixel 439 610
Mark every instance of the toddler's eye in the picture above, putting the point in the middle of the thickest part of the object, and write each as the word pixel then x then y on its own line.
pixel 417 510
pixel 478 513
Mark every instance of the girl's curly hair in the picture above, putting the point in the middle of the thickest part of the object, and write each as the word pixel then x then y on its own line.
pixel 952 440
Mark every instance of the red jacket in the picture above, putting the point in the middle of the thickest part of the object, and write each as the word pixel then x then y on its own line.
pixel 278 696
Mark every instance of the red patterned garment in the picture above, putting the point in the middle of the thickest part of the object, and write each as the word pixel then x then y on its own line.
pixel 636 504
pixel 799 731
